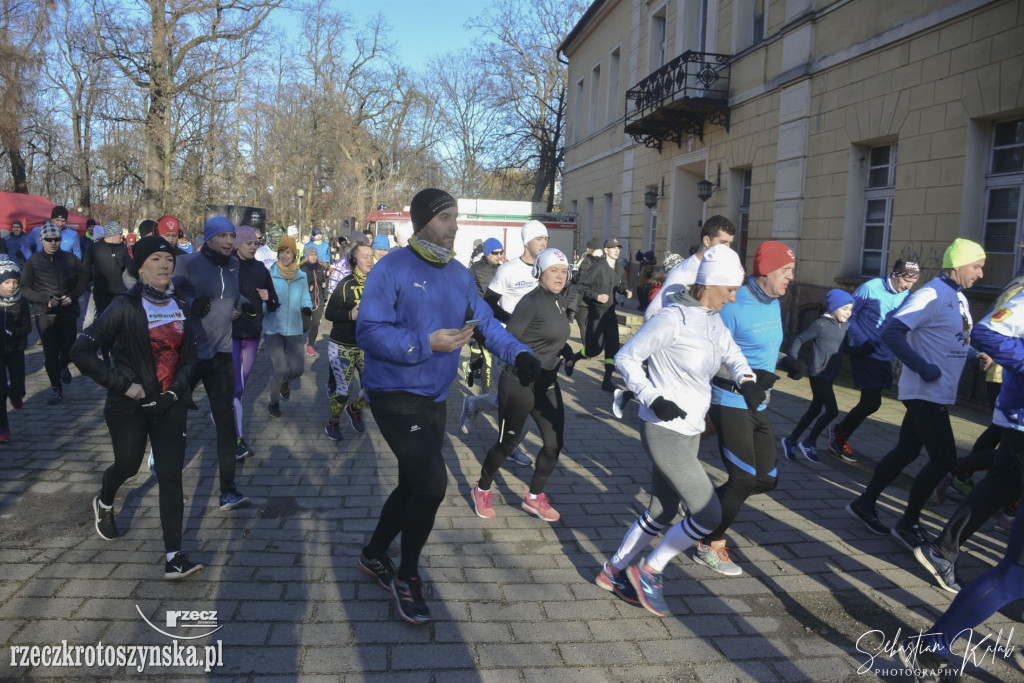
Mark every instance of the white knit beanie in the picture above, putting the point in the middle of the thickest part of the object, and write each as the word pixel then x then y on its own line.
pixel 533 229
pixel 548 258
pixel 720 266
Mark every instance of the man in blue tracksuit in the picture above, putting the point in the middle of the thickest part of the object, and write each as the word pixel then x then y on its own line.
pixel 411 325
pixel 874 302
pixel 208 280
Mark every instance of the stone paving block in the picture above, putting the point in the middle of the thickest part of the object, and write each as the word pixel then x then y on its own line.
pixel 594 609
pixel 51 631
pixel 814 669
pixel 713 605
pixel 551 632
pixel 516 655
pixel 34 608
pixel 504 611
pixel 677 651
pixel 637 628
pixel 412 656
pixel 471 632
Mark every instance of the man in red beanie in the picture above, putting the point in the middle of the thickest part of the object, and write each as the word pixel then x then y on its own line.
pixel 745 437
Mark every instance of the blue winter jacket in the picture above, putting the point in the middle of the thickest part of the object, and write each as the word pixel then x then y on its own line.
pixel 293 294
pixel 197 275
pixel 405 299
pixel 874 302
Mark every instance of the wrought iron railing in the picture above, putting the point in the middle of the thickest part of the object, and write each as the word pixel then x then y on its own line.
pixel 697 81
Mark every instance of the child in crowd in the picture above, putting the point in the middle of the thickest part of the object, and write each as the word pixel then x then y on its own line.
pixel 828 334
pixel 15 324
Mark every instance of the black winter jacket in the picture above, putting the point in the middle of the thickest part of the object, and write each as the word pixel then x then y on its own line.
pixel 105 263
pixel 602 279
pixel 57 274
pixel 316 277
pixel 483 272
pixel 124 329
pixel 253 275
pixel 15 325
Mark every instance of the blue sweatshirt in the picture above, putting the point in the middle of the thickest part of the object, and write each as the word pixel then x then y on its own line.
pixel 757 329
pixel 405 299
pixel 874 302
pixel 197 275
pixel 827 335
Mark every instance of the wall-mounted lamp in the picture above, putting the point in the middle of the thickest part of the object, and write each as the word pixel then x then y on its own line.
pixel 651 199
pixel 705 188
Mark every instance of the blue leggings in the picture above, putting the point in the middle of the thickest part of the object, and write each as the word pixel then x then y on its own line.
pixel 982 597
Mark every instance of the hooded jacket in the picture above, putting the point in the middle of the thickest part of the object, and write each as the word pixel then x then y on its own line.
pixel 293 296
pixel 199 275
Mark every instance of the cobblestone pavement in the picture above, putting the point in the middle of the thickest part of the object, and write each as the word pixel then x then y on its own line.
pixel 513 599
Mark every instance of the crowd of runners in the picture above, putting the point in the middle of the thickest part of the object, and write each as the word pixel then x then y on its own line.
pixel 161 318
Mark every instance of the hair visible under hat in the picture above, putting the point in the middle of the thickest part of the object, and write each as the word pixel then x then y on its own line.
pixel 146 247
pixel 427 204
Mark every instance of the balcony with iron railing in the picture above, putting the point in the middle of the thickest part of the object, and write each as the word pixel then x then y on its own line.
pixel 679 98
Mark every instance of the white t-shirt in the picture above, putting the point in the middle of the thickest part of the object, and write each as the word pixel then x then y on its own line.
pixel 940 329
pixel 513 280
pixel 681 277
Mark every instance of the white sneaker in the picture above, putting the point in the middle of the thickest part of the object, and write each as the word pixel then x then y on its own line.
pixel 468 415
pixel 617 403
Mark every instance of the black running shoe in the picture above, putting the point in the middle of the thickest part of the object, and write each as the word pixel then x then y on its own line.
pixel 286 390
pixel 65 375
pixel 868 517
pixel 409 602
pixel 383 570
pixel 105 526
pixel 356 418
pixel 274 409
pixel 180 566
pixel 923 665
pixel 912 537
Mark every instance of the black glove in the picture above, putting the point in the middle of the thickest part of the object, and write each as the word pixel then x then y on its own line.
pixel 201 306
pixel 528 368
pixel 249 310
pixel 753 394
pixel 765 379
pixel 568 360
pixel 160 404
pixel 666 410
pixel 796 368
pixel 307 311
pixel 930 372
pixel 571 315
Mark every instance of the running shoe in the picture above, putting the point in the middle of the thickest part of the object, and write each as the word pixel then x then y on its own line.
pixel 333 430
pixel 650 588
pixel 809 450
pixel 55 397
pixel 616 581
pixel 540 506
pixel 180 566
pixel 942 569
pixel 521 457
pixel 233 499
pixel 383 570
pixel 788 448
pixel 242 449
pixel 5 434
pixel 468 415
pixel 17 403
pixel 356 418
pixel 409 602
pixel 868 517
pixel 65 375
pixel 912 537
pixel 482 502
pixel 716 557
pixel 274 409
pixel 310 351
pixel 104 520
pixel 286 390
pixel 617 402
pixel 1002 525
pixel 839 446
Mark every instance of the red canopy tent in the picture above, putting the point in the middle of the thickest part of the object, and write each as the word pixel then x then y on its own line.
pixel 32 210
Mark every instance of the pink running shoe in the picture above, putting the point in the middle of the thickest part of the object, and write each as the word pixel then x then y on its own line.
pixel 482 502
pixel 540 507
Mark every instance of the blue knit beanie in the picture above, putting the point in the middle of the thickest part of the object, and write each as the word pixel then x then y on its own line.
pixel 836 299
pixel 216 226
pixel 491 244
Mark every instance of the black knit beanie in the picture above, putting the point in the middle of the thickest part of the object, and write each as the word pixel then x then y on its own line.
pixel 146 247
pixel 427 204
pixel 59 212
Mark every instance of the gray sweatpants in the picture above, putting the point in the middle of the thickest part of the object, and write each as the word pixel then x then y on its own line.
pixel 287 354
pixel 678 477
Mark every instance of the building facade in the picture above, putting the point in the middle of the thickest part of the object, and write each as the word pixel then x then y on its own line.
pixel 855 131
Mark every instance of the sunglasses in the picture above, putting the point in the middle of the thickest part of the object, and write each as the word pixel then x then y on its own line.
pixel 497 252
pixel 51 239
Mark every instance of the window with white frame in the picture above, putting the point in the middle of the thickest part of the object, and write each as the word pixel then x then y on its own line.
pixel 879 191
pixel 743 229
pixel 1004 193
pixel 577 124
pixel 657 36
pixel 613 86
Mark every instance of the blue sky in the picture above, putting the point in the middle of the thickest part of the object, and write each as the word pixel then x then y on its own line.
pixel 419 29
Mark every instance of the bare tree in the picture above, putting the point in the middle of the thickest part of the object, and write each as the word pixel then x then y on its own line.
pixel 521 52
pixel 151 42
pixel 22 27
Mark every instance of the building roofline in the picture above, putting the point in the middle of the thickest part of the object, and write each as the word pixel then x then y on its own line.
pixel 591 12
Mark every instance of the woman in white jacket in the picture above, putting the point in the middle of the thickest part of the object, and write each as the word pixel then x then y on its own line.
pixel 684 345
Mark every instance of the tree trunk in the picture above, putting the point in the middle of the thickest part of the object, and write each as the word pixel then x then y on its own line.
pixel 156 115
